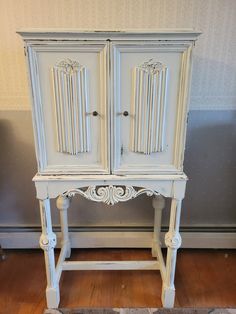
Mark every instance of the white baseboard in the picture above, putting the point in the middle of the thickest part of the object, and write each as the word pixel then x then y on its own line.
pixel 120 239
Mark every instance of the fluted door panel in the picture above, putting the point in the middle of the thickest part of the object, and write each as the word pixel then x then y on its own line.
pixel 70 89
pixel 148 107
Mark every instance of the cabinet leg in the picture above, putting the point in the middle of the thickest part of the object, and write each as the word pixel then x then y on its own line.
pixel 63 203
pixel 158 203
pixel 47 243
pixel 173 242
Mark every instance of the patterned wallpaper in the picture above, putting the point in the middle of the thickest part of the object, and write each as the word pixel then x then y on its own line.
pixel 214 70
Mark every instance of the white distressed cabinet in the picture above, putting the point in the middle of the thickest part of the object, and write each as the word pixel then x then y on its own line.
pixel 109 115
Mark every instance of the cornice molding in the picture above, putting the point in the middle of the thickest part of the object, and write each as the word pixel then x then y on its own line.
pixel 135 34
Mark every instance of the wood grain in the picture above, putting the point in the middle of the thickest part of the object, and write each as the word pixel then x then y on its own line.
pixel 204 278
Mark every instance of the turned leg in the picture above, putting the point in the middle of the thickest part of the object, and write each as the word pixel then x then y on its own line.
pixel 173 242
pixel 47 243
pixel 158 203
pixel 63 203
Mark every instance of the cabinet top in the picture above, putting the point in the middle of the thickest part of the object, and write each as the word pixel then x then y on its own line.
pixel 135 34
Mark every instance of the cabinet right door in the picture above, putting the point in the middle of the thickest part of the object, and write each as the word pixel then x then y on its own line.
pixel 149 98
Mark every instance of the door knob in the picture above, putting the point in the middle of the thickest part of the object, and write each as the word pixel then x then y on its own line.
pixel 95 113
pixel 125 113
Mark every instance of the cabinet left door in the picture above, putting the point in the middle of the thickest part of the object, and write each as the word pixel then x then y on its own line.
pixel 69 103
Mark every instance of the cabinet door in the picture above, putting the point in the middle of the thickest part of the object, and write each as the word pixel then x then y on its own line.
pixel 149 101
pixel 69 106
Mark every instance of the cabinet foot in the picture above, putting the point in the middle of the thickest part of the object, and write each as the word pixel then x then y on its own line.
pixel 2 254
pixel 53 297
pixel 168 297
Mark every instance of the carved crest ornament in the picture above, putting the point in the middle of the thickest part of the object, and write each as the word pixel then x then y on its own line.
pixel 68 66
pixel 152 66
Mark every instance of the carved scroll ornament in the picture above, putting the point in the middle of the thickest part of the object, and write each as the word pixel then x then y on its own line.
pixel 111 194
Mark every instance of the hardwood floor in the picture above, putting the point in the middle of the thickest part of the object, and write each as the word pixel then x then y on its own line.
pixel 204 278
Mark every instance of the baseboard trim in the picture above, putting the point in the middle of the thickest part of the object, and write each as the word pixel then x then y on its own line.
pixel 120 237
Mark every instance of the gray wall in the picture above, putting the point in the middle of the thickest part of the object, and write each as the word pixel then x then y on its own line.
pixel 209 163
pixel 210 152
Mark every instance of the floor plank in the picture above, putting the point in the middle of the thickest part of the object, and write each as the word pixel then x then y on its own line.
pixel 204 278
